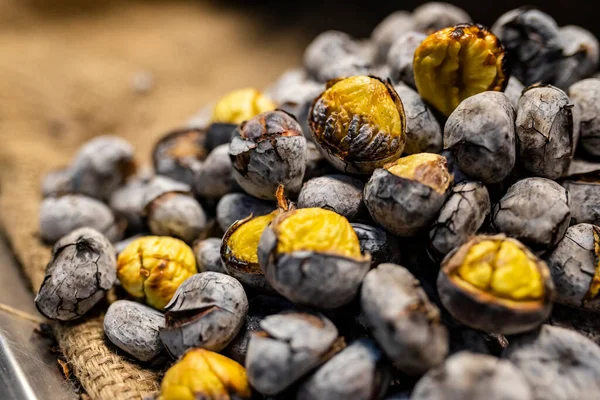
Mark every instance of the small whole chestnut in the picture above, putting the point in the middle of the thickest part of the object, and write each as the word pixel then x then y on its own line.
pixel 267 151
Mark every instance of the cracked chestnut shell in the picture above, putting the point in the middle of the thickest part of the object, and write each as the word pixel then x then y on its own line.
pixel 459 62
pixel 239 250
pixel 575 267
pixel 583 186
pixel 80 272
pixel 495 284
pixel 267 151
pixel 402 319
pixel 203 374
pixel 461 217
pixel 532 38
pixel 586 95
pixel 312 257
pixel 179 154
pixel 405 196
pixel 236 206
pixel 547 131
pixel 358 124
pixel 151 268
pixel 480 133
pixel 287 347
pixel 260 307
pixel 207 311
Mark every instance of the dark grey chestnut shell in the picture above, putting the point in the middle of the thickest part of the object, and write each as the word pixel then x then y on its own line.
pixel 557 363
pixel 101 165
pixel 260 307
pixel 82 269
pixel 208 255
pixel 133 327
pixel 235 206
pixel 267 151
pixel 288 346
pixel 547 131
pixel 573 263
pixel 460 218
pixel 374 240
pixel 401 206
pixel 472 376
pixel 342 194
pixel 402 319
pixel 207 311
pixel 584 200
pixel 534 210
pixel 359 372
pixel 200 141
pixel 480 132
pixel 61 215
pixel 484 312
pixel 309 278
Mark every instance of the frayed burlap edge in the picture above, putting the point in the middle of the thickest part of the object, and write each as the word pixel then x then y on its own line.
pixel 102 373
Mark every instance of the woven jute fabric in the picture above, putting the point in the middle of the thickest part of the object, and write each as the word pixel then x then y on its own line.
pixel 67 77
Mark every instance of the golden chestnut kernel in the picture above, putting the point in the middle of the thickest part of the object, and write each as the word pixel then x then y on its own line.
pixel 458 62
pixel 241 105
pixel 502 269
pixel 242 245
pixel 427 168
pixel 594 288
pixel 495 284
pixel 359 122
pixel 203 374
pixel 318 230
pixel 151 268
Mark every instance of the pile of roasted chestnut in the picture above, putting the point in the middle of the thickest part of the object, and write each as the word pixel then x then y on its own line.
pixel 409 216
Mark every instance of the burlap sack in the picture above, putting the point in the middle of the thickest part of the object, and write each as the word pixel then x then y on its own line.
pixel 66 78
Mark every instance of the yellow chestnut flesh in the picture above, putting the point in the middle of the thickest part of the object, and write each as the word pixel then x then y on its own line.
pixel 319 230
pixel 206 375
pixel 359 119
pixel 501 269
pixel 241 105
pixel 458 62
pixel 427 168
pixel 594 288
pixel 151 268
pixel 243 243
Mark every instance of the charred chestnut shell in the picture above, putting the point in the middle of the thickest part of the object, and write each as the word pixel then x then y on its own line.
pixel 179 154
pixel 404 197
pixel 267 151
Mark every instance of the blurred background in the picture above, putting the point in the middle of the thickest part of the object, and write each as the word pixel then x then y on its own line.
pixel 71 69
